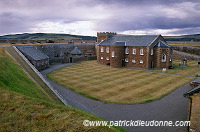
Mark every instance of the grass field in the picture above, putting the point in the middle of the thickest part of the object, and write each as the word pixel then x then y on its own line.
pixel 25 107
pixel 192 68
pixel 117 85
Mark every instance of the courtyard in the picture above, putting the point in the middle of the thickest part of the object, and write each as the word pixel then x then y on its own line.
pixel 121 85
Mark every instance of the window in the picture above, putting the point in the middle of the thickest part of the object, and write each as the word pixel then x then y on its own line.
pixel 141 52
pixel 113 53
pixel 163 58
pixel 134 51
pixel 107 49
pixel 134 61
pixel 151 51
pixel 101 58
pixel 141 62
pixel 126 50
pixel 101 49
pixel 126 60
pixel 107 58
pixel 170 59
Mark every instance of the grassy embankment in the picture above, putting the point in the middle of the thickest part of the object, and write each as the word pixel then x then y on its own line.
pixel 25 107
pixel 117 85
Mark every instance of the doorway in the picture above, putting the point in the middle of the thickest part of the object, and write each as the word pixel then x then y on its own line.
pixel 123 63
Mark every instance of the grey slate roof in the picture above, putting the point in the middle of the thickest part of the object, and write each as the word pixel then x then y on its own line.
pixel 130 40
pixel 162 44
pixel 76 51
pixel 34 53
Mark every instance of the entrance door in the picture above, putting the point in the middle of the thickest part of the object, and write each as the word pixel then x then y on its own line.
pixel 123 63
pixel 151 66
pixel 70 60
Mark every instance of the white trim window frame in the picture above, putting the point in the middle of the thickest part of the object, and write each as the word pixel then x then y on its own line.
pixel 101 58
pixel 102 49
pixel 134 61
pixel 141 61
pixel 134 51
pixel 170 59
pixel 107 58
pixel 113 54
pixel 107 49
pixel 151 51
pixel 127 50
pixel 141 51
pixel 126 60
pixel 164 58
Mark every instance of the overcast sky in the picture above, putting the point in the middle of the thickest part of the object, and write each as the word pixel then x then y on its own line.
pixel 86 17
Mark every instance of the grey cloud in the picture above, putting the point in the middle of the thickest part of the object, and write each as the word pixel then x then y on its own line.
pixel 107 15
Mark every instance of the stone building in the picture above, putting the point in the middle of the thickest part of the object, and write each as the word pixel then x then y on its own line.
pixel 143 51
pixel 37 58
pixel 194 109
pixel 76 52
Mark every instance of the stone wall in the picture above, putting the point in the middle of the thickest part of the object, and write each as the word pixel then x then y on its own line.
pixel 188 49
pixel 180 55
pixel 58 52
pixel 76 59
pixel 195 113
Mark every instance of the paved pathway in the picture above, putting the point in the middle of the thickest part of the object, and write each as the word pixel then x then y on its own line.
pixel 172 107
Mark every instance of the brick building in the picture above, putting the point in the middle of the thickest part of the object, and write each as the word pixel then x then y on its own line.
pixel 194 109
pixel 144 51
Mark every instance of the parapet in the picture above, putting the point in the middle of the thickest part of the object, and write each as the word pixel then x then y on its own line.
pixel 105 33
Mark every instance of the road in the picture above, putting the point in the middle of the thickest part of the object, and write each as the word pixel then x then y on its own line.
pixel 172 107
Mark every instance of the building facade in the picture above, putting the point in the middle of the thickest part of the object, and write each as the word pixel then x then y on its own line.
pixel 193 108
pixel 37 58
pixel 144 51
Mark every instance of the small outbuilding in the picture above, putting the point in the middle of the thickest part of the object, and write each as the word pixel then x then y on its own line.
pixel 76 52
pixel 37 58
pixel 194 108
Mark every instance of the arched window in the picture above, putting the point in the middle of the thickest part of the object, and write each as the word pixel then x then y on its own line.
pixel 113 53
pixel 134 51
pixel 141 52
pixel 126 60
pixel 163 58
pixel 126 50
pixel 101 49
pixel 170 59
pixel 151 51
pixel 107 49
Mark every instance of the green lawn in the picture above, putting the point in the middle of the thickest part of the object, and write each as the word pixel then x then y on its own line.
pixel 13 78
pixel 117 85
pixel 192 68
pixel 25 107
